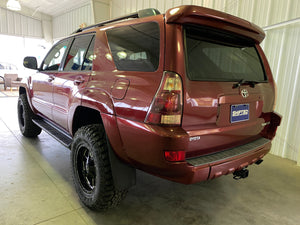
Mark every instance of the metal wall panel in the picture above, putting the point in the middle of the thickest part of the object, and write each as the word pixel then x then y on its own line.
pixel 13 23
pixel 282 47
pixel 262 13
pixel 101 10
pixel 67 23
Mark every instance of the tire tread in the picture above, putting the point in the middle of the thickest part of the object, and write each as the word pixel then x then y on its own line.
pixel 29 129
pixel 108 197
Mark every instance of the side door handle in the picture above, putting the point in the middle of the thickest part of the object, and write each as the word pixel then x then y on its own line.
pixel 79 80
pixel 51 78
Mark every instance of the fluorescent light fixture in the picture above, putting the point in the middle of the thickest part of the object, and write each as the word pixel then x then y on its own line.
pixel 13 5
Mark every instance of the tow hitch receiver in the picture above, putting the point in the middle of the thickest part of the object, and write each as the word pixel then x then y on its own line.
pixel 239 174
pixel 259 161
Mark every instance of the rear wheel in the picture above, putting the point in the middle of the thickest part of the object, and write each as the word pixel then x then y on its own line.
pixel 92 170
pixel 25 115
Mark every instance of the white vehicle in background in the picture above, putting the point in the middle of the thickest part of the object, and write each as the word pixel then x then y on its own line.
pixel 7 68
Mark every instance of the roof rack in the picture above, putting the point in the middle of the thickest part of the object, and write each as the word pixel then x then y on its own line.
pixel 139 14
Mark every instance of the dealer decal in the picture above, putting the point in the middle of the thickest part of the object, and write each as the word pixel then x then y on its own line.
pixel 239 113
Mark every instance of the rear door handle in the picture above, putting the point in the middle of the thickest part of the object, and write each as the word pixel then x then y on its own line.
pixel 78 81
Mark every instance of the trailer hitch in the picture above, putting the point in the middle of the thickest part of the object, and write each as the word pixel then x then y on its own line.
pixel 239 174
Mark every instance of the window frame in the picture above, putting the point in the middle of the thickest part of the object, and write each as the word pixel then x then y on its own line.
pixel 87 50
pixel 93 34
pixel 63 61
pixel 70 41
pixel 159 46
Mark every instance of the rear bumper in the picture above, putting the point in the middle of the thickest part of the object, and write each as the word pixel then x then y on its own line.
pixel 145 145
pixel 213 169
pixel 230 160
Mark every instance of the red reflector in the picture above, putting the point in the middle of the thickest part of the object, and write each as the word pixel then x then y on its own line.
pixel 175 156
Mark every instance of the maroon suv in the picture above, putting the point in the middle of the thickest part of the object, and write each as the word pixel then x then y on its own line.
pixel 187 96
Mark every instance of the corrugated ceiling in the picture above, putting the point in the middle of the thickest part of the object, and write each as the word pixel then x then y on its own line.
pixel 53 7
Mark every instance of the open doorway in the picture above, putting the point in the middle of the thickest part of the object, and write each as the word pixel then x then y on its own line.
pixel 12 51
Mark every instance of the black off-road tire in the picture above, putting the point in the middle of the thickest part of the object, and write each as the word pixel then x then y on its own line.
pixel 25 116
pixel 91 169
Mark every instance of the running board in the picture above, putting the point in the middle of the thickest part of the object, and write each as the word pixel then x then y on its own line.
pixel 60 135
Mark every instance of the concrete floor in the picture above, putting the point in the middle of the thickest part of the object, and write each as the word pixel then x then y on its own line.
pixel 36 188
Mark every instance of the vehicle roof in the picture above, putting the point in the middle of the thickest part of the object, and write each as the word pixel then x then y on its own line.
pixel 190 14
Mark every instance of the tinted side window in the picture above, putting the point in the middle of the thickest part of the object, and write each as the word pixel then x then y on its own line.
pixel 136 47
pixel 55 56
pixel 76 56
pixel 90 56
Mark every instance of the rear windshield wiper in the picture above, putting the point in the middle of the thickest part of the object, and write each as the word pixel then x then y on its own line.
pixel 243 81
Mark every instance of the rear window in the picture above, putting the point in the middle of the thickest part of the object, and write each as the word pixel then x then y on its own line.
pixel 135 47
pixel 213 55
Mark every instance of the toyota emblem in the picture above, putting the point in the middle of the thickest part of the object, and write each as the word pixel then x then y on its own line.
pixel 244 93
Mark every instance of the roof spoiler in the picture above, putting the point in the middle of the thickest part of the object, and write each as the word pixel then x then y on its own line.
pixel 191 14
pixel 139 14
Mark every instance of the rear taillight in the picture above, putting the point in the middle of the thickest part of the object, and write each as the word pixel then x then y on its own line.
pixel 166 107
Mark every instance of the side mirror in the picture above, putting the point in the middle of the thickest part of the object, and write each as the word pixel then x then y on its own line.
pixel 30 62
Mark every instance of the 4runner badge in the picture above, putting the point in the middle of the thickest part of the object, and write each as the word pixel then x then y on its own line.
pixel 244 93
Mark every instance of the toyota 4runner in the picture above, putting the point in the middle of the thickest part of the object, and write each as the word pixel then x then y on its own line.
pixel 187 96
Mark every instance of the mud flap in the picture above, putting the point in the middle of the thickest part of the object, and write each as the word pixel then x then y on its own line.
pixel 124 175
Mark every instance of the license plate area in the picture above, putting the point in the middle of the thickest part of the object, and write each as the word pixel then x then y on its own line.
pixel 239 113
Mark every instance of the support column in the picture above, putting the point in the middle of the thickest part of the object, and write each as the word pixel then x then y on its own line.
pixel 47 30
pixel 101 10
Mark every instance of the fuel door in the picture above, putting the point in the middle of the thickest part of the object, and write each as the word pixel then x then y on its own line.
pixel 120 88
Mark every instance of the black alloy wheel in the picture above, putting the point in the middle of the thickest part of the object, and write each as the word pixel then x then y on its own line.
pixel 86 169
pixel 92 169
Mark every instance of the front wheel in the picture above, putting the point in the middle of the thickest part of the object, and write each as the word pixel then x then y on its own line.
pixel 92 170
pixel 25 115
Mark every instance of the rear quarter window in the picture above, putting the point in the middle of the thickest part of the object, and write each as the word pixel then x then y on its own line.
pixel 135 47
